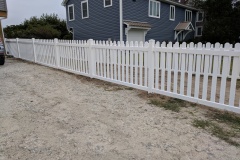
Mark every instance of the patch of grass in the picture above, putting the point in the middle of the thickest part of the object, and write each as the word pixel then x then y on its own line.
pixel 129 88
pixel 191 113
pixel 201 123
pixel 226 117
pixel 113 88
pixel 217 131
pixel 172 104
pixel 193 104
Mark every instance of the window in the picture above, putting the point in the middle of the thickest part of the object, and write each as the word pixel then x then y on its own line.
pixel 172 13
pixel 85 12
pixel 154 9
pixel 198 31
pixel 107 3
pixel 188 16
pixel 71 12
pixel 199 16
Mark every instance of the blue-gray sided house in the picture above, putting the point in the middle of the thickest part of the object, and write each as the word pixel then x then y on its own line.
pixel 161 20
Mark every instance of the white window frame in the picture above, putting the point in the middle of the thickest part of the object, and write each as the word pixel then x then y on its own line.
pixel 86 1
pixel 159 11
pixel 196 34
pixel 104 3
pixel 198 16
pixel 72 5
pixel 170 13
pixel 186 15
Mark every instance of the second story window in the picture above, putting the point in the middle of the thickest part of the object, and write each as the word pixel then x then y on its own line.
pixel 172 13
pixel 154 9
pixel 71 12
pixel 107 3
pixel 188 16
pixel 84 7
pixel 199 16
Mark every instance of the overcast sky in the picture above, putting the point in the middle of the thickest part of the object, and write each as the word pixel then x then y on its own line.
pixel 19 10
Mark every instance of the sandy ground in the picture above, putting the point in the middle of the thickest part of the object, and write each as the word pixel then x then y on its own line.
pixel 50 114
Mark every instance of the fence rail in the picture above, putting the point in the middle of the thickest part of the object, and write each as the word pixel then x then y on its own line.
pixel 206 74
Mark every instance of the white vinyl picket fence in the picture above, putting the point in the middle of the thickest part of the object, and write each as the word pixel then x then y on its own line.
pixel 205 74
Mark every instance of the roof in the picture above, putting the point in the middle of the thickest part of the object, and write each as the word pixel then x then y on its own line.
pixel 165 1
pixel 184 26
pixel 64 2
pixel 3 5
pixel 137 24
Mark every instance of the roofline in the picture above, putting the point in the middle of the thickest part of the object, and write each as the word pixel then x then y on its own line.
pixel 179 4
pixel 64 2
pixel 165 1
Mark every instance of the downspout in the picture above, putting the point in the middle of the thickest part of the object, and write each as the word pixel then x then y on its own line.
pixel 121 19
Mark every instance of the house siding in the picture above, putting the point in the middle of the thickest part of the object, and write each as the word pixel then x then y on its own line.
pixel 162 28
pixel 102 24
pixel 3 5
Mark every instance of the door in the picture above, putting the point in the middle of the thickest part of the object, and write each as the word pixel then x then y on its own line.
pixel 136 35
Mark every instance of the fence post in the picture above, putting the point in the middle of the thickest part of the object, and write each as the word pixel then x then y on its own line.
pixel 57 58
pixel 92 63
pixel 19 56
pixel 151 66
pixel 34 51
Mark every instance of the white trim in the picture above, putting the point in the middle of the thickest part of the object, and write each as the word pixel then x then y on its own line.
pixel 104 4
pixel 71 5
pixel 86 1
pixel 186 15
pixel 196 31
pixel 198 16
pixel 170 13
pixel 159 11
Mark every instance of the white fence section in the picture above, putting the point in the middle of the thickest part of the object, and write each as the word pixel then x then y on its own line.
pixel 205 74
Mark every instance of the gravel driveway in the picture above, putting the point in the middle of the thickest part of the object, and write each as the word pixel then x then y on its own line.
pixel 50 114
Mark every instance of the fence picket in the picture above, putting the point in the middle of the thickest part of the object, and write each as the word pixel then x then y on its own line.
pixel 197 75
pixel 214 78
pixel 235 72
pixel 163 66
pixel 176 61
pixel 131 63
pixel 127 62
pixel 183 65
pixel 169 68
pixel 141 64
pixel 136 64
pixel 190 70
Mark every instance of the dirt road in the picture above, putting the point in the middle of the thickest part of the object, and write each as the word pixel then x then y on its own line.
pixel 50 114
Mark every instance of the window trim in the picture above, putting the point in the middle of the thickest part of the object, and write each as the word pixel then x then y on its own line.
pixel 150 9
pixel 198 16
pixel 186 15
pixel 104 4
pixel 196 33
pixel 172 6
pixel 86 1
pixel 71 5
